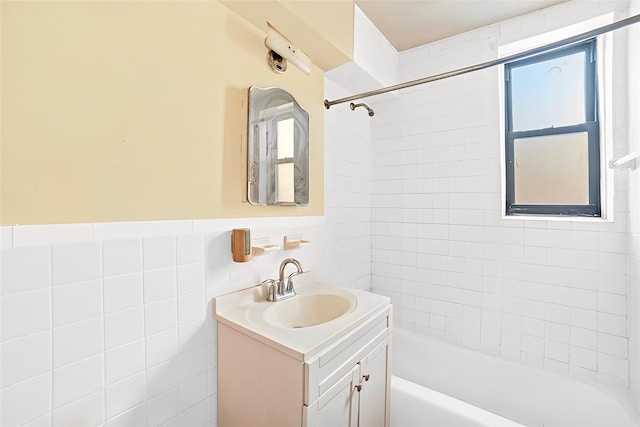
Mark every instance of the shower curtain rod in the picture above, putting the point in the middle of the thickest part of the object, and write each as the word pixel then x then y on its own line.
pixel 574 39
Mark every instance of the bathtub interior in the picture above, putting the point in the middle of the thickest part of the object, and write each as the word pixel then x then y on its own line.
pixel 517 392
pixel 413 404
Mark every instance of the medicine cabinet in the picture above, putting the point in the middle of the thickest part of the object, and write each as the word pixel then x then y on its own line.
pixel 278 149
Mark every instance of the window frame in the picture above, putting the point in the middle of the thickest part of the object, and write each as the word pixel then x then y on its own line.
pixel 591 126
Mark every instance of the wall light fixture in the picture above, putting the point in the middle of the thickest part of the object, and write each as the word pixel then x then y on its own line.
pixel 282 50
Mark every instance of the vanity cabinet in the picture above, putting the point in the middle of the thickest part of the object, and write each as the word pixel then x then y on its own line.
pixel 345 383
pixel 360 398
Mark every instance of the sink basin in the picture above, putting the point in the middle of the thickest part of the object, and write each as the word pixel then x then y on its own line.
pixel 303 310
pixel 304 324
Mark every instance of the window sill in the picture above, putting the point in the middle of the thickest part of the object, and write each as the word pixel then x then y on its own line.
pixel 558 218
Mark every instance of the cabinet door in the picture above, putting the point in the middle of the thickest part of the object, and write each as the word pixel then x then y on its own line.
pixel 374 378
pixel 338 406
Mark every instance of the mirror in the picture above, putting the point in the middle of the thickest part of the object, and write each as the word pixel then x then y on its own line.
pixel 278 154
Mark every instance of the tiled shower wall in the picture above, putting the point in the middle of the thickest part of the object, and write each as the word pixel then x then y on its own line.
pixel 348 192
pixel 634 276
pixel 547 293
pixel 634 206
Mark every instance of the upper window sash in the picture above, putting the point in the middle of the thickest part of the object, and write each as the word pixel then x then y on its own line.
pixel 544 95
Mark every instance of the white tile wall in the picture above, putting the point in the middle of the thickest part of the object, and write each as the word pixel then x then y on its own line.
pixel 122 256
pixel 15 323
pixel 134 417
pixel 125 395
pixel 76 302
pixel 26 357
pixel 633 242
pixel 123 327
pixel 25 269
pixel 77 380
pixel 348 193
pixel 77 341
pixel 120 330
pixel 27 400
pixel 76 262
pixel 124 361
pixel 160 285
pixel 122 292
pixel 548 293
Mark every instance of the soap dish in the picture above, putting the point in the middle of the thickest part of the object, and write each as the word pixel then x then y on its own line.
pixel 262 249
pixel 293 244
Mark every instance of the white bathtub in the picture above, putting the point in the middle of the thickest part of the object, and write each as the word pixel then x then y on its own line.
pixel 437 384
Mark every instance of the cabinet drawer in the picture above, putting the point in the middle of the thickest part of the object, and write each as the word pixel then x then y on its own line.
pixel 336 407
pixel 322 372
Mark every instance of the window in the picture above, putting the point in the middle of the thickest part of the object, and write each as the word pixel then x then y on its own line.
pixel 552 148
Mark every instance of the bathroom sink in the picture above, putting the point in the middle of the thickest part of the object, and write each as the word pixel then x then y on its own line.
pixel 301 325
pixel 303 310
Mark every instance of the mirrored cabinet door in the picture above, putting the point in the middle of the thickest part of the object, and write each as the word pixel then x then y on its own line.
pixel 278 152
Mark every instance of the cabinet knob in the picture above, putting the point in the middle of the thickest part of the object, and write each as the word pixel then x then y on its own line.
pixel 359 387
pixel 366 377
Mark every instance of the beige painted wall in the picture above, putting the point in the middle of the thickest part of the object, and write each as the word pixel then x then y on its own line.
pixel 127 111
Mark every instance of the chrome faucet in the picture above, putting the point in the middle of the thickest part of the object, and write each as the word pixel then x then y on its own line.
pixel 279 290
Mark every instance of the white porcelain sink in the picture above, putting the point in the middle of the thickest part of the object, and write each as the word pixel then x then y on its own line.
pixel 304 324
pixel 303 310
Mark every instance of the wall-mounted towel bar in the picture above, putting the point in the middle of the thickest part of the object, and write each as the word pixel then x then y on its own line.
pixel 626 162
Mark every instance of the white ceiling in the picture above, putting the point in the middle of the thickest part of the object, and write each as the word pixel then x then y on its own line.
pixel 411 23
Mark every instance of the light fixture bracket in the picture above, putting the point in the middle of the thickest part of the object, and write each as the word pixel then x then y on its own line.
pixel 277 62
pixel 284 51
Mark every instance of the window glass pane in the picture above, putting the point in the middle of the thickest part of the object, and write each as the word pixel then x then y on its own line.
pixel 548 94
pixel 285 139
pixel 552 170
pixel 286 177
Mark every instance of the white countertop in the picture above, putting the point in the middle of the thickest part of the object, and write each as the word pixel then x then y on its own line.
pixel 300 343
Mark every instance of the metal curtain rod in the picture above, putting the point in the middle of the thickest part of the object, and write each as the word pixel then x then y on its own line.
pixel 574 39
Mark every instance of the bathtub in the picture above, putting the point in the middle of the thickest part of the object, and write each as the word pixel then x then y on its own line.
pixel 437 384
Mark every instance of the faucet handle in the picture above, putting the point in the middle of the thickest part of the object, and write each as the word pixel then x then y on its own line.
pixel 290 282
pixel 271 288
